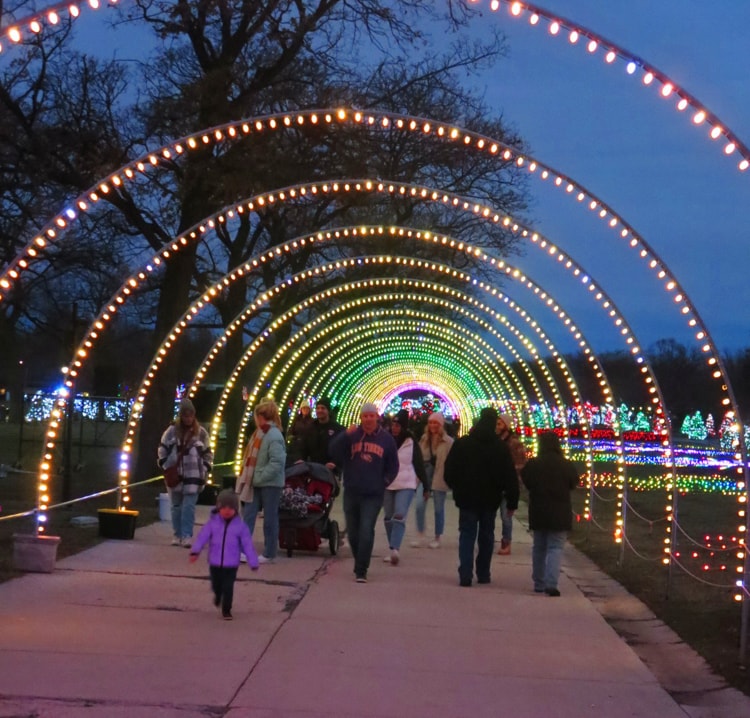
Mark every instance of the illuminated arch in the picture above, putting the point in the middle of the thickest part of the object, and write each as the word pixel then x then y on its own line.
pixel 312 355
pixel 452 133
pixel 386 121
pixel 439 357
pixel 369 353
pixel 355 262
pixel 396 283
pixel 667 88
pixel 437 338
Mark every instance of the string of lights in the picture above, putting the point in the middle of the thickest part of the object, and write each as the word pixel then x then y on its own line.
pixel 707 347
pixel 34 24
pixel 635 66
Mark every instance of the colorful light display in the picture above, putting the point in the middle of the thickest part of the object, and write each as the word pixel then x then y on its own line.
pixel 424 193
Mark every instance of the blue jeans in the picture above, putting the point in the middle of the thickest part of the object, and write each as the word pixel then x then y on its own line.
pixel 395 507
pixel 267 500
pixel 475 527
pixel 183 513
pixel 361 514
pixel 546 557
pixel 420 509
pixel 507 522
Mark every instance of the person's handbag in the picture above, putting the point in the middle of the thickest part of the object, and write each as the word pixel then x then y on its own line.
pixel 171 476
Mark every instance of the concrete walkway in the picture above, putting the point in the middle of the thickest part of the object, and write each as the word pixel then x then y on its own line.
pixel 127 628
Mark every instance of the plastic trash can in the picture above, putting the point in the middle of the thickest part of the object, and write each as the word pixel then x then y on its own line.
pixel 165 508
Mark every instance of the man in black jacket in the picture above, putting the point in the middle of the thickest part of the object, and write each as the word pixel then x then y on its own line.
pixel 319 434
pixel 480 471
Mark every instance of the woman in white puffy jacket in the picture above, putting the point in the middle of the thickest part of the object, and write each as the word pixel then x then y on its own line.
pixel 400 492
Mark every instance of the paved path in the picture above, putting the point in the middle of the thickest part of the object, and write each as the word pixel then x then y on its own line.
pixel 127 629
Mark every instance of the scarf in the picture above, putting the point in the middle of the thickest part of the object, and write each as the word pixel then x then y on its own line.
pixel 245 481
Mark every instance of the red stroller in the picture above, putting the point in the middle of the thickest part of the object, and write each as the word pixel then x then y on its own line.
pixel 305 508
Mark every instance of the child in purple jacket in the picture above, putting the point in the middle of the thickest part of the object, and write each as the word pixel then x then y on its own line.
pixel 226 535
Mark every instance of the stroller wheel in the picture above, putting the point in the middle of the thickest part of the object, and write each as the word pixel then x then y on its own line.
pixel 333 537
pixel 291 539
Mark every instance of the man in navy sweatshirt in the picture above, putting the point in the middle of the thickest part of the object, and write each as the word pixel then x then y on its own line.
pixel 369 459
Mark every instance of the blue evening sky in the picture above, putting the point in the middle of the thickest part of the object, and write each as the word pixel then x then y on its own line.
pixel 628 145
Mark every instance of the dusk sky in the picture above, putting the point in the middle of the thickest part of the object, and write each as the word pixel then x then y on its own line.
pixel 632 148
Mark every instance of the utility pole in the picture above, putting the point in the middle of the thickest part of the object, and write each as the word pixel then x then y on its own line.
pixel 21 404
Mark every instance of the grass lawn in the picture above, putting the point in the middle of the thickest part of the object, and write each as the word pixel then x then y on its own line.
pixel 696 601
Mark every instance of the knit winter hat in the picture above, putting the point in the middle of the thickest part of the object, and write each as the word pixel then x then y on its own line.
pixel 505 418
pixel 324 401
pixel 369 408
pixel 187 405
pixel 437 416
pixel 402 418
pixel 228 498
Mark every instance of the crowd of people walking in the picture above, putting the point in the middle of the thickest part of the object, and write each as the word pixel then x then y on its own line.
pixel 382 467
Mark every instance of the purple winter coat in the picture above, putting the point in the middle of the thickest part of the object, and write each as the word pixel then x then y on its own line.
pixel 225 540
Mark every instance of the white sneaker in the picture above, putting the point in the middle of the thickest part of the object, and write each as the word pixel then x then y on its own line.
pixel 264 559
pixel 176 541
pixel 387 559
pixel 394 557
pixel 418 542
pixel 243 558
pixel 435 543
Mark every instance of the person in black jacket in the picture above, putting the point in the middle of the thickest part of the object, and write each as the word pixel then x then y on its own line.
pixel 480 471
pixel 319 434
pixel 550 478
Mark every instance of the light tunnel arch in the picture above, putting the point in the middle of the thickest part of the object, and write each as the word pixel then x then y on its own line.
pixel 483 363
pixel 363 357
pixel 385 120
pixel 450 292
pixel 509 376
pixel 437 353
pixel 154 160
pixel 469 300
pixel 361 327
pixel 447 198
pixel 435 267
pixel 352 262
pixel 413 124
pixel 378 120
pixel 177 330
pixel 474 208
pixel 34 27
pixel 326 320
pixel 329 326
pixel 360 301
